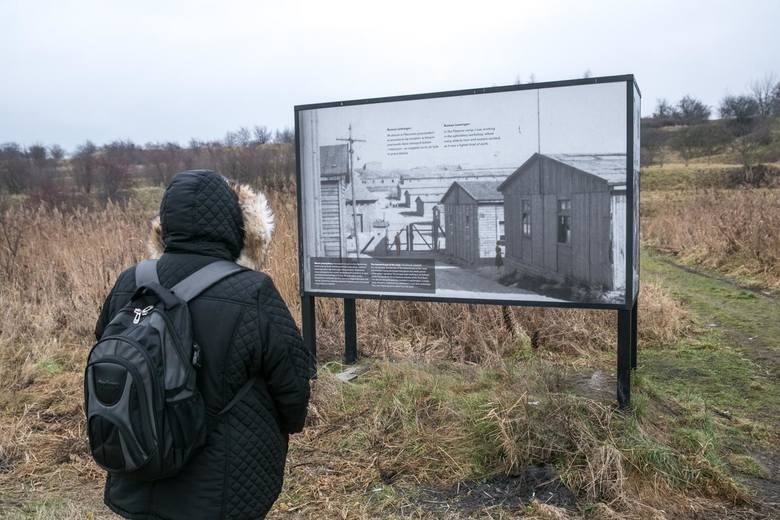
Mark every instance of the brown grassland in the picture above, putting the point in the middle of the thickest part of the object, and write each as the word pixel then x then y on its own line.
pixel 450 393
pixel 733 231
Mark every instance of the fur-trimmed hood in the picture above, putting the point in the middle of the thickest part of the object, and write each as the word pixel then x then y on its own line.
pixel 204 213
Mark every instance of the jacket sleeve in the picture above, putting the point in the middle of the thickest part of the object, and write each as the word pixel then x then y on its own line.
pixel 285 365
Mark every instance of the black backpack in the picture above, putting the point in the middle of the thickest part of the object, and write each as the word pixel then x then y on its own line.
pixel 145 414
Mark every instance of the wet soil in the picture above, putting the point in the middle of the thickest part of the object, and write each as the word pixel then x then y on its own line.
pixel 509 492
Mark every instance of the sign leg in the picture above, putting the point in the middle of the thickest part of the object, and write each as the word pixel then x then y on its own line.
pixel 624 359
pixel 350 332
pixel 634 329
pixel 309 324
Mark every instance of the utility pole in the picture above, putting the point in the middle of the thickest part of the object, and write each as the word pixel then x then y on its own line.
pixel 538 125
pixel 351 177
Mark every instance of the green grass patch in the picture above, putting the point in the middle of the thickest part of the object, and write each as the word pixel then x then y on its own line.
pixel 51 366
pixel 149 197
pixel 723 381
pixel 748 465
pixel 442 424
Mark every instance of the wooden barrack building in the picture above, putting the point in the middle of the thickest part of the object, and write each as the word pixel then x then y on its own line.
pixel 474 220
pixel 565 219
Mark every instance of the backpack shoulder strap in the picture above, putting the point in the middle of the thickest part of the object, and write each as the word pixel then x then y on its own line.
pixel 146 273
pixel 204 278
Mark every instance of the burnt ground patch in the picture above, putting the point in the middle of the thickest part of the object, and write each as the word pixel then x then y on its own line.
pixel 512 492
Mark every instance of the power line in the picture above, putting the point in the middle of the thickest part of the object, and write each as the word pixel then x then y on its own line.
pixel 350 176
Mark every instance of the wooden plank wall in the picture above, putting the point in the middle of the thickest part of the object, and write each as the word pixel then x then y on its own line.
pixel 330 202
pixel 548 239
pixel 543 183
pixel 618 203
pixel 460 208
pixel 489 217
pixel 538 241
pixel 581 235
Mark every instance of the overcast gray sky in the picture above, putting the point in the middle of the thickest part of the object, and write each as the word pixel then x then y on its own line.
pixel 172 70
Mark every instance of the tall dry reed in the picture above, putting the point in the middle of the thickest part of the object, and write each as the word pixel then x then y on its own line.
pixel 733 231
pixel 55 282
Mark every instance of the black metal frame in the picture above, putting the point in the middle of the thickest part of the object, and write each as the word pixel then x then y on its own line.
pixel 627 311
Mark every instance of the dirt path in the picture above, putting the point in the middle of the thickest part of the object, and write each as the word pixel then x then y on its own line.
pixel 735 367
pixel 749 318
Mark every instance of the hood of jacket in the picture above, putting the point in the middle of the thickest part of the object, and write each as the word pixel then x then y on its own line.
pixel 203 213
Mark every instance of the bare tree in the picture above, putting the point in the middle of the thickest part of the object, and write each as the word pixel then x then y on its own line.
pixel 665 113
pixel 165 159
pixel 763 93
pixel 241 137
pixel 775 101
pixel 191 155
pixel 284 136
pixel 683 143
pixel 699 140
pixel 262 135
pixel 11 233
pixel 84 164
pixel 746 148
pixel 15 168
pixel 38 154
pixel 692 111
pixel 56 152
pixel 740 113
pixel 114 166
pixel 713 138
pixel 39 179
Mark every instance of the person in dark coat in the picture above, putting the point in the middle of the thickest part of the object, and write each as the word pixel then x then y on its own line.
pixel 244 330
pixel 499 257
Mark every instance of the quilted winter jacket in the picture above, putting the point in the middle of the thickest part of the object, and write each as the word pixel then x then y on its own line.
pixel 244 330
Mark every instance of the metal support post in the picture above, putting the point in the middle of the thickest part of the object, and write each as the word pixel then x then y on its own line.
pixel 624 359
pixel 634 315
pixel 350 332
pixel 309 324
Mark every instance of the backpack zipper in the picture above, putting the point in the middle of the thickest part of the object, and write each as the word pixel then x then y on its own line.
pixel 141 312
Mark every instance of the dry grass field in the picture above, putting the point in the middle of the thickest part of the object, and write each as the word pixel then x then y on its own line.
pixel 735 232
pixel 451 394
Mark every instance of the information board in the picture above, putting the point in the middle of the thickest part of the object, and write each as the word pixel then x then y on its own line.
pixel 525 194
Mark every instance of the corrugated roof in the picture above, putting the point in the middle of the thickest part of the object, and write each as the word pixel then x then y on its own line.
pixel 361 192
pixel 609 166
pixel 428 198
pixel 333 160
pixel 482 191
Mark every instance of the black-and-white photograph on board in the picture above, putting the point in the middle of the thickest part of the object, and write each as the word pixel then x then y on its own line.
pixel 513 194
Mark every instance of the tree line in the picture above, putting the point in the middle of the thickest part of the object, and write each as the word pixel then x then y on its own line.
pixel 266 159
pixel 255 156
pixel 744 127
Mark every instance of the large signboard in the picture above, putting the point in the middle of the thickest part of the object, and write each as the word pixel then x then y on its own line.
pixel 525 194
